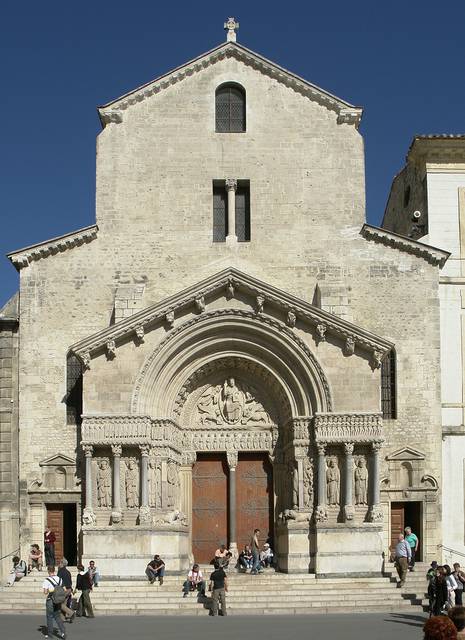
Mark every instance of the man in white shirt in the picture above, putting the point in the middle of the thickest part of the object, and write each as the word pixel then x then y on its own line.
pixel 403 554
pixel 52 610
pixel 194 582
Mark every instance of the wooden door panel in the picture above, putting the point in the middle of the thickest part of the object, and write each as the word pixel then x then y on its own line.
pixel 209 506
pixel 254 497
pixel 55 522
pixel 397 522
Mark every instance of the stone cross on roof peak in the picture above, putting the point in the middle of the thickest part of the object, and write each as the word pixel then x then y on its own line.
pixel 231 26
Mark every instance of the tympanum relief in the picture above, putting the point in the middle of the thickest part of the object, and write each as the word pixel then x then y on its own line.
pixel 231 403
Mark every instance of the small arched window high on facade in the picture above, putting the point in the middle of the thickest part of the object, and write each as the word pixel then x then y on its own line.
pixel 388 386
pixel 230 108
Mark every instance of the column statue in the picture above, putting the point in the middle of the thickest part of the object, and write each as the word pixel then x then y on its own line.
pixel 104 484
pixel 172 485
pixel 308 484
pixel 132 485
pixel 361 482
pixel 154 484
pixel 333 480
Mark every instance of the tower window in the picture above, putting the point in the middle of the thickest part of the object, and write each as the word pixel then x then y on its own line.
pixel 230 108
pixel 231 210
pixel 220 213
pixel 73 390
pixel 243 212
pixel 388 387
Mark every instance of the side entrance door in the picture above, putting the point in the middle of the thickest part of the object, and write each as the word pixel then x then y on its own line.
pixel 61 518
pixel 397 522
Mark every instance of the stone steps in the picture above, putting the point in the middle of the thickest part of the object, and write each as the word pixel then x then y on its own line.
pixel 268 593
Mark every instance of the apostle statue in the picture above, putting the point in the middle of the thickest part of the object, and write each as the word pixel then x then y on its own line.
pixel 333 478
pixel 154 483
pixel 132 485
pixel 361 482
pixel 104 484
pixel 172 482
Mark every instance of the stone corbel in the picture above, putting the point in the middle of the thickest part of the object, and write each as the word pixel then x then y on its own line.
pixel 229 290
pixel 85 357
pixel 349 346
pixel 291 319
pixel 200 304
pixel 260 301
pixel 111 349
pixel 169 318
pixel 377 359
pixel 321 332
pixel 140 333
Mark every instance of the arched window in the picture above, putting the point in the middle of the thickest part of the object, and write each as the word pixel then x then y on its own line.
pixel 230 108
pixel 388 386
pixel 73 390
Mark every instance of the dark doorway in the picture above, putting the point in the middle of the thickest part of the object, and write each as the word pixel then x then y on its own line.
pixel 407 514
pixel 61 518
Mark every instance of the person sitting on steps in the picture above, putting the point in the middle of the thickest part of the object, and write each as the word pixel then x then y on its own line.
pixel 35 558
pixel 155 569
pixel 245 558
pixel 194 582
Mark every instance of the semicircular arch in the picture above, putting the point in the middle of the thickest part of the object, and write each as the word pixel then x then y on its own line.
pixel 220 334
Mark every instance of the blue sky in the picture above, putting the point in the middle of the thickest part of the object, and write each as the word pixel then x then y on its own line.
pixel 402 61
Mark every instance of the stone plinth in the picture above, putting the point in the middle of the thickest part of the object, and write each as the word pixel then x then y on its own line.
pixel 293 547
pixel 126 552
pixel 348 551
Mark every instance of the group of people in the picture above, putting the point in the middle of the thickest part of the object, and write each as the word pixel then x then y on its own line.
pixel 404 554
pixel 445 587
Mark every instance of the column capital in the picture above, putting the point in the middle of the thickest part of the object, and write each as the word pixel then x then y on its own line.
pixel 232 457
pixel 348 448
pixel 230 184
pixel 88 450
pixel 144 450
pixel 376 447
pixel 116 449
pixel 321 446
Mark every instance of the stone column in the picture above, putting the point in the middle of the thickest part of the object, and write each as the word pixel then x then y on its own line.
pixel 88 516
pixel 116 512
pixel 185 479
pixel 376 513
pixel 300 478
pixel 348 477
pixel 232 457
pixel 231 186
pixel 145 515
pixel 321 513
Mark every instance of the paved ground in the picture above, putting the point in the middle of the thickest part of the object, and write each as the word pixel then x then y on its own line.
pixel 400 626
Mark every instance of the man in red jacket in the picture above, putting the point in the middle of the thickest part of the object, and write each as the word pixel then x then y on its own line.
pixel 49 547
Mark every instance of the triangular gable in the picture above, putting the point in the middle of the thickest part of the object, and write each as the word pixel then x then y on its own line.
pixel 230 281
pixel 347 113
pixel 406 453
pixel 57 460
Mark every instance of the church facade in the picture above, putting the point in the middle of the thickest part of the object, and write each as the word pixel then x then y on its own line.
pixel 230 346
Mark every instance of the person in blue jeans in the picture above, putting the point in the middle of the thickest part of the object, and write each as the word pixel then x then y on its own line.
pixel 155 569
pixel 52 610
pixel 255 546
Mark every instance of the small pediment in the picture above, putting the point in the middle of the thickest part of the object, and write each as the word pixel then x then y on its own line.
pixel 58 460
pixel 406 453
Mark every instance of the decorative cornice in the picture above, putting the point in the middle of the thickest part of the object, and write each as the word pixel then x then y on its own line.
pixel 347 113
pixel 430 254
pixel 23 257
pixel 230 281
pixel 348 427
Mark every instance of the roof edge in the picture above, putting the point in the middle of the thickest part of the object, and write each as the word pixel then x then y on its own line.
pixel 433 255
pixel 22 257
pixel 347 112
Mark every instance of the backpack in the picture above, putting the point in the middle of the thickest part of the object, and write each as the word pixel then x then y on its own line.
pixel 58 595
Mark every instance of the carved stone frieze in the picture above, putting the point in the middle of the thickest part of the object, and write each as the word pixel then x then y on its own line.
pixel 348 427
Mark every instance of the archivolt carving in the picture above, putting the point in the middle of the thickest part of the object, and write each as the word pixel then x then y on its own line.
pixel 313 364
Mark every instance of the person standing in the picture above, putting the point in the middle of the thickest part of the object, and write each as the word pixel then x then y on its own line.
pixel 255 547
pixel 49 547
pixel 451 585
pixel 402 558
pixel 218 586
pixel 84 585
pixel 413 542
pixel 52 610
pixel 460 580
pixel 67 583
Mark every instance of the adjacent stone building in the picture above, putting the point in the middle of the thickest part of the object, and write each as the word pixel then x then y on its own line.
pixel 427 202
pixel 230 346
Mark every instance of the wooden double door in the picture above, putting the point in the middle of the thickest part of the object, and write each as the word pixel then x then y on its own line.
pixel 211 518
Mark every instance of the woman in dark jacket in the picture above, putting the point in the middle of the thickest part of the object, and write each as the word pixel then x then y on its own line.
pixel 438 593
